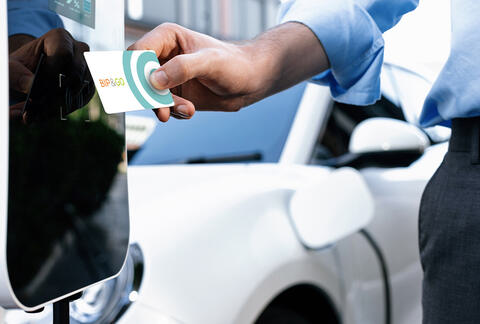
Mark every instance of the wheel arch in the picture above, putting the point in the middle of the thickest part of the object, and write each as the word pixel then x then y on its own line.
pixel 306 299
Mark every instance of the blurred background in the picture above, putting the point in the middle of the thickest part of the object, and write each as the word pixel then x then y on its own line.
pixel 218 135
pixel 210 135
pixel 225 19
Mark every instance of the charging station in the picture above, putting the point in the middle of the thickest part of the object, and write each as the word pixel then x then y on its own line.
pixel 64 216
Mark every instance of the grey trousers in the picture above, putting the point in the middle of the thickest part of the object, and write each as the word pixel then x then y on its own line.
pixel 449 228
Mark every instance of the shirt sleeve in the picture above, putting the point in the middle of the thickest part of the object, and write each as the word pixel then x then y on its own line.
pixel 31 17
pixel 351 33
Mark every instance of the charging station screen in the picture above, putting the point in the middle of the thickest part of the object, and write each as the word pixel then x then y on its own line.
pixel 68 221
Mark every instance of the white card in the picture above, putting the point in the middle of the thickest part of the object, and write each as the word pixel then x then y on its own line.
pixel 122 80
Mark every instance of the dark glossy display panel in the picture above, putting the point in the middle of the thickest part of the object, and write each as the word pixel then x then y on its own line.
pixel 68 221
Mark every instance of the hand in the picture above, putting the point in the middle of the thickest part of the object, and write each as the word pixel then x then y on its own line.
pixel 208 74
pixel 203 73
pixel 63 55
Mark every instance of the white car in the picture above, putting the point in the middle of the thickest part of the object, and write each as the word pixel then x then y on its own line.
pixel 298 210
pixel 259 219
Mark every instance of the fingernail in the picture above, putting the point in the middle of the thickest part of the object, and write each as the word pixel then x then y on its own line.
pixel 179 116
pixel 159 79
pixel 183 110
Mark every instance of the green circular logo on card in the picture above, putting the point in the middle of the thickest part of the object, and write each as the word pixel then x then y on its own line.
pixel 142 61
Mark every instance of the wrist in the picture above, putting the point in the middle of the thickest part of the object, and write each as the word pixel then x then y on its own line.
pixel 284 56
pixel 263 67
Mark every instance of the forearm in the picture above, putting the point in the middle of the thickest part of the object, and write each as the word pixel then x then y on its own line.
pixel 286 55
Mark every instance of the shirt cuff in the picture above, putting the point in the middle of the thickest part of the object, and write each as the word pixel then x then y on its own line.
pixel 31 18
pixel 353 43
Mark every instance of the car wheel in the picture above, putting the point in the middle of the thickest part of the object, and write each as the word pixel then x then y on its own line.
pixel 277 315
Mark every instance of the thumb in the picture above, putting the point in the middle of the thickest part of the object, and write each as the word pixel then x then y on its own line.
pixel 21 77
pixel 180 69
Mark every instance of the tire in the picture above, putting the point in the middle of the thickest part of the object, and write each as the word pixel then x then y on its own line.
pixel 277 315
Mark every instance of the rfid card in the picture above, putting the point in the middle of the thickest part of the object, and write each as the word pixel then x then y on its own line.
pixel 122 80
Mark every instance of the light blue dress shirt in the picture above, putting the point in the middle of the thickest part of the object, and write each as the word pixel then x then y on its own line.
pixel 351 33
pixel 31 17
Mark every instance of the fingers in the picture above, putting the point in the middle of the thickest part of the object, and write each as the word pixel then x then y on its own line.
pixel 163 114
pixel 59 48
pixel 65 56
pixel 16 111
pixel 21 77
pixel 183 109
pixel 78 70
pixel 163 40
pixel 174 45
pixel 180 69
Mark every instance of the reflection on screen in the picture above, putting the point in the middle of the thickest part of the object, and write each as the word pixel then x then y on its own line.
pixel 68 221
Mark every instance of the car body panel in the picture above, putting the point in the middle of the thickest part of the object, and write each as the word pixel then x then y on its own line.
pixel 357 292
pixel 242 236
pixel 397 194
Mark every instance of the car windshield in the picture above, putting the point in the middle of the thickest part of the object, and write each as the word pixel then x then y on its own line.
pixel 254 134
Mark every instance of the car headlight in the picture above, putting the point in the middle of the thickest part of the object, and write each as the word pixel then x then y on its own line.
pixel 106 302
